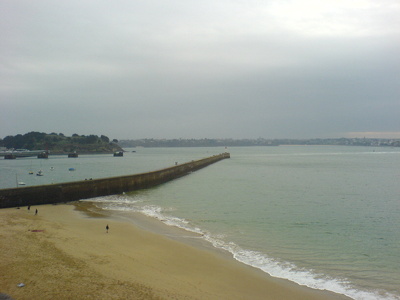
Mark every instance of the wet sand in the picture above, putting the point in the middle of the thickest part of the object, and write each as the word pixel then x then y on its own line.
pixel 62 253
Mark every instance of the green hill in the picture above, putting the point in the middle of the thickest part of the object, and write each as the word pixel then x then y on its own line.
pixel 60 144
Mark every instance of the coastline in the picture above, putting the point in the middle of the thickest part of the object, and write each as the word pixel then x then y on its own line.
pixel 66 253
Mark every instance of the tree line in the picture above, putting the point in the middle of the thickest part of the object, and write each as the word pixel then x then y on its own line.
pixel 58 141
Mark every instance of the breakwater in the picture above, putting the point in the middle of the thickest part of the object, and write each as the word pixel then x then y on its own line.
pixel 72 191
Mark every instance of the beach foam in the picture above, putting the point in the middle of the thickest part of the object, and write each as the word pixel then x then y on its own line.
pixel 126 263
pixel 262 261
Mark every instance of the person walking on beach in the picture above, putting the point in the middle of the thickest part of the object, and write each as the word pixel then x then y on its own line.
pixel 107 228
pixel 29 208
pixel 36 211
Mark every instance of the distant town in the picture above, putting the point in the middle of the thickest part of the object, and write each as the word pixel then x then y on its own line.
pixel 258 142
pixel 59 143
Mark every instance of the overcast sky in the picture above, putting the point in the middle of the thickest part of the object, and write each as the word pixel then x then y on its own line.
pixel 200 69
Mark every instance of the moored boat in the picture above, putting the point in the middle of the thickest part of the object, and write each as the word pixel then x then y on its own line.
pixel 119 153
pixel 73 154
pixel 44 154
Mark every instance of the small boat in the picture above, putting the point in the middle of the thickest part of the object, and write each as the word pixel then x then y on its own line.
pixel 71 169
pixel 73 154
pixel 30 172
pixel 44 154
pixel 39 173
pixel 19 182
pixel 119 153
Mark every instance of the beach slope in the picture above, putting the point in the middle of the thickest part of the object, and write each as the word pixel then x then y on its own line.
pixel 61 253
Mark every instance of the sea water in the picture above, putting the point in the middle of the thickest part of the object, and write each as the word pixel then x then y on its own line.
pixel 327 217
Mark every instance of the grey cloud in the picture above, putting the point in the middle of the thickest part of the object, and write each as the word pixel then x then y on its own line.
pixel 209 69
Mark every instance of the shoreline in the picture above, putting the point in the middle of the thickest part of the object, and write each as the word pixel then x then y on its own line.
pixel 151 224
pixel 66 253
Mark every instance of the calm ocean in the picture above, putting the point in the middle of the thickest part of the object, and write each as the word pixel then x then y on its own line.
pixel 327 217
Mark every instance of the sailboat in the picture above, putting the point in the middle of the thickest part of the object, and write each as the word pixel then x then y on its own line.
pixel 31 172
pixel 18 182
pixel 40 172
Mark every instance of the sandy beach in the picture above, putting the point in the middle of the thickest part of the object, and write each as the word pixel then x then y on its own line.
pixel 62 253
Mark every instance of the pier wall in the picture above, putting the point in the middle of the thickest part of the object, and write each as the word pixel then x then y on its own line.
pixel 72 191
